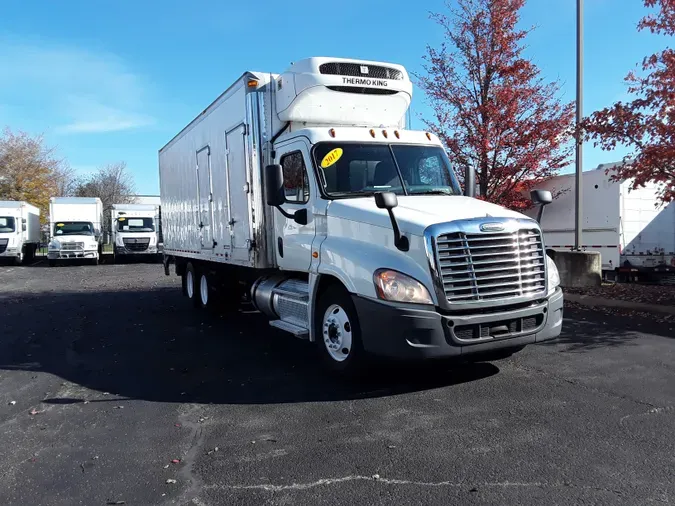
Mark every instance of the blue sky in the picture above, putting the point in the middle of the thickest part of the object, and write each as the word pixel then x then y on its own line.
pixel 114 80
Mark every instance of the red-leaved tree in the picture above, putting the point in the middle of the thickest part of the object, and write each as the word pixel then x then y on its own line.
pixel 492 108
pixel 646 125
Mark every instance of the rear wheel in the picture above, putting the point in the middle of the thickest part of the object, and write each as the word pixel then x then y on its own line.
pixel 191 285
pixel 206 296
pixel 338 334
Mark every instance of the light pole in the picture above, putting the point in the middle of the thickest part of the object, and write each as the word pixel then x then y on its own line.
pixel 579 139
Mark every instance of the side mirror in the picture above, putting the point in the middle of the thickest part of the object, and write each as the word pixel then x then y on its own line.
pixel 543 198
pixel 275 195
pixel 274 185
pixel 386 200
pixel 23 227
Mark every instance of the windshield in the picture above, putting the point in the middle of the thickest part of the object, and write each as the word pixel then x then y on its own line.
pixel 349 169
pixel 7 224
pixel 125 224
pixel 73 228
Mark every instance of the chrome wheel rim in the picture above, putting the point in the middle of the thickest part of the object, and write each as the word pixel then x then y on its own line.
pixel 204 289
pixel 336 332
pixel 189 281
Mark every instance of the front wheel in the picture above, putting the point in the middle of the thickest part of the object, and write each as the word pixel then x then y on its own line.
pixel 338 333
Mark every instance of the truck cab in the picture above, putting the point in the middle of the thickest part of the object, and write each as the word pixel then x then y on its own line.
pixel 357 234
pixel 135 231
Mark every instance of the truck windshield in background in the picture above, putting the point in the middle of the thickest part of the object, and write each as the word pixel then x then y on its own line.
pixel 355 169
pixel 73 228
pixel 7 224
pixel 135 224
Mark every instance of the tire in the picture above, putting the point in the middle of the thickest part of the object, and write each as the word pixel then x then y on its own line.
pixel 338 333
pixel 19 260
pixel 192 285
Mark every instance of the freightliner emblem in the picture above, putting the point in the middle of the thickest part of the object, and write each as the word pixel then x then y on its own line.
pixel 491 227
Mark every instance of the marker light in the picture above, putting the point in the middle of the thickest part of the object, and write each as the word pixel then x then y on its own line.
pixel 372 133
pixel 384 132
pixel 331 132
pixel 252 83
pixel 398 135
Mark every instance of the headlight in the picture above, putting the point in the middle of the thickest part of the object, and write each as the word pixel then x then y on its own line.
pixel 553 275
pixel 396 287
pixel 54 245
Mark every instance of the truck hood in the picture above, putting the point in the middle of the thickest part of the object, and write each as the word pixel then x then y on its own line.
pixel 87 239
pixel 415 213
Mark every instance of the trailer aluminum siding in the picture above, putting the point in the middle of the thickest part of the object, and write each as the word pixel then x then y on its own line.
pixel 211 181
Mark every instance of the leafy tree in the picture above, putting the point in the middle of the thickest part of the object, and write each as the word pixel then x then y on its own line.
pixel 30 170
pixel 492 108
pixel 646 125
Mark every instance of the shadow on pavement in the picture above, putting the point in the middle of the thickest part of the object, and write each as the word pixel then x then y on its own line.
pixel 152 345
pixel 588 329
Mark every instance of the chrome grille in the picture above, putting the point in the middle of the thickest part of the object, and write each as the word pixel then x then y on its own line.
pixel 72 246
pixel 489 266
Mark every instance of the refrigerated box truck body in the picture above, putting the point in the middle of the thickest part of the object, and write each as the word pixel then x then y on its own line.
pixel 628 227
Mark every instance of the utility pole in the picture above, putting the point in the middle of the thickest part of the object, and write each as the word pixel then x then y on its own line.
pixel 579 140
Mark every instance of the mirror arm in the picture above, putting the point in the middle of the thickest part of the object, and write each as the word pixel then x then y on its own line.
pixel 540 214
pixel 286 214
pixel 400 241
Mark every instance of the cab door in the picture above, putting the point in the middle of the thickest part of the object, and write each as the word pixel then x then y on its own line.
pixel 293 242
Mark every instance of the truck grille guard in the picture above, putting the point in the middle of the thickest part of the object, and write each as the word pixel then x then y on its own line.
pixel 486 262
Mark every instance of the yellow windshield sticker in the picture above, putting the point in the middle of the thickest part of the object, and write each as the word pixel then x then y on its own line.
pixel 121 219
pixel 59 224
pixel 332 157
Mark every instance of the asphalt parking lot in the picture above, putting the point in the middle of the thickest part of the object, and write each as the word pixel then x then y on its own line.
pixel 111 387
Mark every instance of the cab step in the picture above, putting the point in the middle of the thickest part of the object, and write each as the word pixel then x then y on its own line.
pixel 299 332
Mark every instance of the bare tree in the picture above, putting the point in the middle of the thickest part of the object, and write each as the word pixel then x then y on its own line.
pixel 30 170
pixel 113 184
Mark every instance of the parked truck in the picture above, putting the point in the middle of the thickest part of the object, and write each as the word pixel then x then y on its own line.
pixel 19 231
pixel 634 235
pixel 304 191
pixel 75 229
pixel 135 231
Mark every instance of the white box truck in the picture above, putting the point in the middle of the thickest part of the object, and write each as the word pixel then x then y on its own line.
pixel 135 230
pixel 634 235
pixel 344 228
pixel 19 231
pixel 75 229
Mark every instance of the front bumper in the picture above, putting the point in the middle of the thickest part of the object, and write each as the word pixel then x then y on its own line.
pixel 121 250
pixel 406 332
pixel 11 253
pixel 71 255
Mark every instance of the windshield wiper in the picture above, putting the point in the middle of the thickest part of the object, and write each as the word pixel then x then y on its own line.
pixel 433 192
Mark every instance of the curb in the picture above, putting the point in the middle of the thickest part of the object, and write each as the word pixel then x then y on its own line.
pixel 588 300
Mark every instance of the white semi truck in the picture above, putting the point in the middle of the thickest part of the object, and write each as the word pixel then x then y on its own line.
pixel 634 235
pixel 19 231
pixel 74 229
pixel 135 230
pixel 304 191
